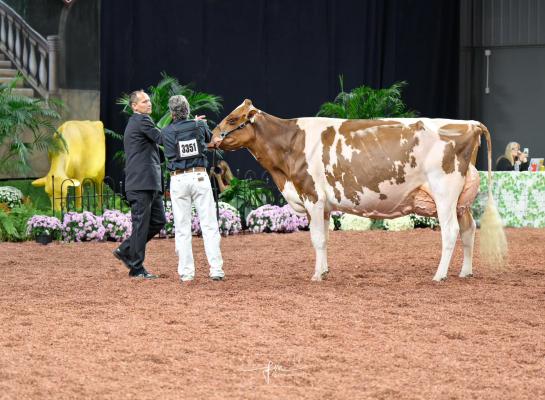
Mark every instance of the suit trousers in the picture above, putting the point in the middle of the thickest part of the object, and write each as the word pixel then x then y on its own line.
pixel 193 188
pixel 148 218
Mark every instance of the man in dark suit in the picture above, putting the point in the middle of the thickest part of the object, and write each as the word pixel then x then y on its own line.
pixel 142 185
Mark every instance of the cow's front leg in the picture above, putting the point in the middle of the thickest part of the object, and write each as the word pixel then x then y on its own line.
pixel 319 238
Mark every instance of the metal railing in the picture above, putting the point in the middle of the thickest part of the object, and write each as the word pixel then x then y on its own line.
pixel 107 194
pixel 32 54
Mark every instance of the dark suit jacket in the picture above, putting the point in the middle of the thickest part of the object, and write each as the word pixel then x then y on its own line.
pixel 143 162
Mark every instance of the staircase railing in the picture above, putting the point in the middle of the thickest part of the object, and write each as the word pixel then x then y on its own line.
pixel 32 54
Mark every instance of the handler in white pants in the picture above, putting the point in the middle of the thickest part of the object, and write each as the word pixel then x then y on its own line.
pixel 189 188
pixel 185 147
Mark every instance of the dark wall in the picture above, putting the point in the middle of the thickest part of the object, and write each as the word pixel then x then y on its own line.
pixel 284 55
pixel 41 15
pixel 82 45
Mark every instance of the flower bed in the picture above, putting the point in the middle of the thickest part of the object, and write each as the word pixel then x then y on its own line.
pixel 80 227
pixel 270 218
pixel 117 225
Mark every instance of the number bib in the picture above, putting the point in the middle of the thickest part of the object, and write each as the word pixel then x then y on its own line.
pixel 188 149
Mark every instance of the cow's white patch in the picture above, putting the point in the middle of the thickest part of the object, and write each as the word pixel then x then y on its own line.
pixel 314 127
pixel 292 197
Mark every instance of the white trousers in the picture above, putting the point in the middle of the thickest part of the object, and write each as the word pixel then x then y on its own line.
pixel 185 190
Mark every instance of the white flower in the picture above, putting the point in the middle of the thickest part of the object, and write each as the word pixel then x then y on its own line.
pixel 351 222
pixel 399 224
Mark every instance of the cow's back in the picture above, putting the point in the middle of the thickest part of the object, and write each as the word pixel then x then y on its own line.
pixel 374 167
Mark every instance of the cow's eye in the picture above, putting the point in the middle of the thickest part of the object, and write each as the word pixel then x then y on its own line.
pixel 232 121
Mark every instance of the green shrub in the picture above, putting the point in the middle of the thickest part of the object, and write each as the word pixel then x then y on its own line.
pixel 365 102
pixel 13 224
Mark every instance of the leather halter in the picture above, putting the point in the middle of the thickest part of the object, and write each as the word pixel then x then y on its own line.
pixel 225 133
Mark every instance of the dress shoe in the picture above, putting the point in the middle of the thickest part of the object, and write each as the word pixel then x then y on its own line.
pixel 119 255
pixel 141 273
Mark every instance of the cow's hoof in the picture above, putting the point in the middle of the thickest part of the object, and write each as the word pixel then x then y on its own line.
pixel 317 278
pixel 462 275
pixel 439 278
pixel 325 274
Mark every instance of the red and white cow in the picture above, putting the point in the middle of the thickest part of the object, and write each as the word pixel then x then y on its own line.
pixel 381 168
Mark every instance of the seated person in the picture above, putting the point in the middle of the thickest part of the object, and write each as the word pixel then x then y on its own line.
pixel 512 159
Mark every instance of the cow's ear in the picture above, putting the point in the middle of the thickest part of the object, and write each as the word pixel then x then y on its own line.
pixel 251 114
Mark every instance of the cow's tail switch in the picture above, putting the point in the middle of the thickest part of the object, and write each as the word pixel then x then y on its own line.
pixel 493 243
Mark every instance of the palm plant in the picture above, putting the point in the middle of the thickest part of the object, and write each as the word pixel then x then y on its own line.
pixel 199 103
pixel 20 114
pixel 365 102
pixel 247 195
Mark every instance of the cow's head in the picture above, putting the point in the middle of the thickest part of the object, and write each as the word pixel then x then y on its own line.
pixel 236 130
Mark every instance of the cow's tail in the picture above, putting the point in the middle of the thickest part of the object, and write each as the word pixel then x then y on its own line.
pixel 493 243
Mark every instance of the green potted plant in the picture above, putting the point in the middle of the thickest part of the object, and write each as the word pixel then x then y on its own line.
pixel 19 114
pixel 364 102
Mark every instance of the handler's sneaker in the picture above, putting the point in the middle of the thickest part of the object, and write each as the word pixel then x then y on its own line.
pixel 217 275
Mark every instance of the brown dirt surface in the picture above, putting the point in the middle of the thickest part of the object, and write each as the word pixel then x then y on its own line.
pixel 73 325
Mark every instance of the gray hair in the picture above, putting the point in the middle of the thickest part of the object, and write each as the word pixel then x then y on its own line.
pixel 179 107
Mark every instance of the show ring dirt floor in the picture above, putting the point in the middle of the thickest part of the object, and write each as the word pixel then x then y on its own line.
pixel 74 326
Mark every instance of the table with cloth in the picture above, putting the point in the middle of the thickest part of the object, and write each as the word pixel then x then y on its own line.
pixel 519 196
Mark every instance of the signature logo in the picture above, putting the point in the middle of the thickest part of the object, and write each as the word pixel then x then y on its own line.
pixel 271 368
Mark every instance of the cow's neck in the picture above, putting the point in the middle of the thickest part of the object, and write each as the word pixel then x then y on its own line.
pixel 273 145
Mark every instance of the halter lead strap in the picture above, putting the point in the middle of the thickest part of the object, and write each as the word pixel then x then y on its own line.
pixel 224 133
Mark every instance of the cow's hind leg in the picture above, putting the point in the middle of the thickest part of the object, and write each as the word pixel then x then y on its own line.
pixel 467 233
pixel 319 238
pixel 446 197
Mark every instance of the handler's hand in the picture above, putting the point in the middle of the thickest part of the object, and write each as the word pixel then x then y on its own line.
pixel 200 117
pixel 216 140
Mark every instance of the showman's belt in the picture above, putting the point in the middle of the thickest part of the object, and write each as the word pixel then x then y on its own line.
pixel 187 170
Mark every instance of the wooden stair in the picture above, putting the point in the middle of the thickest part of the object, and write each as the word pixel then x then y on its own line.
pixel 7 72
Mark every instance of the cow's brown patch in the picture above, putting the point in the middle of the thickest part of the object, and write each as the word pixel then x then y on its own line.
pixel 465 139
pixel 328 136
pixel 381 145
pixel 297 166
pixel 449 158
pixel 278 145
pixel 417 126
